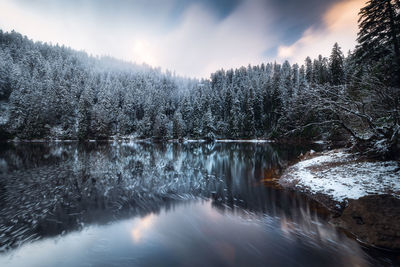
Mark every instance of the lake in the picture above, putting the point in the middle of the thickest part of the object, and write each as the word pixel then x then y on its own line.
pixel 145 204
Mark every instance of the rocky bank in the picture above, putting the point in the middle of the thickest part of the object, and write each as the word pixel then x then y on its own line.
pixel 363 195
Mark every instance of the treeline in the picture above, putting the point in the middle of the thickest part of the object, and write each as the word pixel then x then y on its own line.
pixel 56 92
pixel 53 91
pixel 50 91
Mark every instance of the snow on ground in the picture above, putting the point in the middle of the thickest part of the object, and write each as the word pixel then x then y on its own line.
pixel 341 176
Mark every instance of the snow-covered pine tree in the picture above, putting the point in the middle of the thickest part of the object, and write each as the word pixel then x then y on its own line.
pixel 336 61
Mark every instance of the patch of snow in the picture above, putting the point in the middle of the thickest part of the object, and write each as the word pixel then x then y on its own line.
pixel 339 176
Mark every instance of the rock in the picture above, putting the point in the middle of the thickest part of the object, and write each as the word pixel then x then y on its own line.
pixel 373 219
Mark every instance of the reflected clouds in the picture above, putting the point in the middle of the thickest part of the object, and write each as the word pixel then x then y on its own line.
pixel 140 227
pixel 147 204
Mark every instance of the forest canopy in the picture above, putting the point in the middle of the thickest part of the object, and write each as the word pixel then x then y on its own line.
pixel 54 92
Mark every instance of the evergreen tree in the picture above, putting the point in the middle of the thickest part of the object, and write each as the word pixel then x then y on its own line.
pixel 178 126
pixel 379 35
pixel 208 125
pixel 317 73
pixel 302 79
pixel 83 118
pixel 336 65
pixel 309 70
pixel 295 78
pixel 235 123
pixel 160 128
pixel 187 117
pixel 286 86
pixel 6 64
pixel 249 121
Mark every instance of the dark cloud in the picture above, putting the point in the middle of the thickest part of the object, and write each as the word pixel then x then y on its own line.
pixel 221 8
pixel 291 17
pixel 295 16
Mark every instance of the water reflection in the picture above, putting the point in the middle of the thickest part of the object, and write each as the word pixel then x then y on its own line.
pixel 190 234
pixel 140 203
pixel 141 226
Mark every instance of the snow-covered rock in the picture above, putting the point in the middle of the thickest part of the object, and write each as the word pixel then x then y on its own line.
pixel 341 175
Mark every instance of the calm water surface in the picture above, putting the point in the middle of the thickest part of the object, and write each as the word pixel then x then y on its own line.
pixel 141 204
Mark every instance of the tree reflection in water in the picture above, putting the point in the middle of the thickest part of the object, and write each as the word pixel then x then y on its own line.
pixel 52 189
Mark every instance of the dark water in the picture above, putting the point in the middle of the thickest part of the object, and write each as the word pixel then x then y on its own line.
pixel 142 204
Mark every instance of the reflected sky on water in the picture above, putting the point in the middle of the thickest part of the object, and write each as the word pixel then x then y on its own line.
pixel 142 204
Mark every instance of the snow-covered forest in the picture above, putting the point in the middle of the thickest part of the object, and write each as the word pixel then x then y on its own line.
pixel 50 91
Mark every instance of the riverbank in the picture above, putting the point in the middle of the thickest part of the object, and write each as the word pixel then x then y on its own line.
pixel 363 195
pixel 134 138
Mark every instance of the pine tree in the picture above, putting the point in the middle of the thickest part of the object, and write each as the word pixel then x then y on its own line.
pixel 160 128
pixel 309 70
pixel 235 122
pixel 83 118
pixel 316 75
pixel 286 86
pixel 249 122
pixel 302 80
pixel 6 64
pixel 178 126
pixel 228 103
pixel 295 78
pixel 187 116
pixel 379 34
pixel 336 65
pixel 208 130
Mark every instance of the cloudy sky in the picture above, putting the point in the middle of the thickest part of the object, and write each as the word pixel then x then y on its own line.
pixel 191 37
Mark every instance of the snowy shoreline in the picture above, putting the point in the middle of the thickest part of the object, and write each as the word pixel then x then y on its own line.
pixel 340 176
pixel 122 139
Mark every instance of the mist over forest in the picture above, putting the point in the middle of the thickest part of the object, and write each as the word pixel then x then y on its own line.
pixel 54 92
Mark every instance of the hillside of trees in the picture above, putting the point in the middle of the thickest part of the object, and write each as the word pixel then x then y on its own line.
pixel 50 91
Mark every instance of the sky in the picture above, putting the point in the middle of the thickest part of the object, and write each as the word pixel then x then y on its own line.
pixel 193 38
